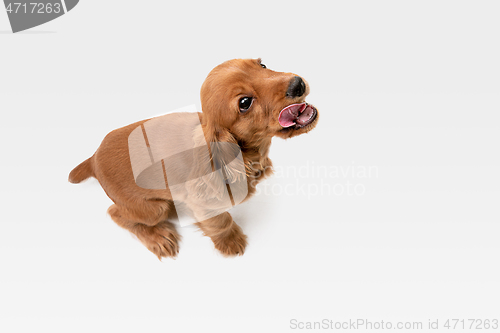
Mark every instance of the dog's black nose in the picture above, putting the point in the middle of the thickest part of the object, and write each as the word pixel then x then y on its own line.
pixel 296 88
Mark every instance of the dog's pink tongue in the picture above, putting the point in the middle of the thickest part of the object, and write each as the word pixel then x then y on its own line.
pixel 288 116
pixel 305 115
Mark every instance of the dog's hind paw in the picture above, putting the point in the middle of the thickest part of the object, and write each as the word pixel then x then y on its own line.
pixel 161 239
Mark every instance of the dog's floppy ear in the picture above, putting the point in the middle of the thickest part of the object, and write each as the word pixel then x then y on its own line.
pixel 225 153
pixel 217 163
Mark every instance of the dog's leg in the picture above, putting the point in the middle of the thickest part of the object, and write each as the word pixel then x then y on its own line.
pixel 225 233
pixel 157 234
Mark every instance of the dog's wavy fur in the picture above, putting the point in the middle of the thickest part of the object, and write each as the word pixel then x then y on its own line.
pixel 145 212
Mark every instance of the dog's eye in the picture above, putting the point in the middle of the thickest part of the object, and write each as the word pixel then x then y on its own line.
pixel 263 66
pixel 245 103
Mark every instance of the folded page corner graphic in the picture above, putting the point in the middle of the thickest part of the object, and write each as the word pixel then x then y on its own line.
pixel 25 15
pixel 70 4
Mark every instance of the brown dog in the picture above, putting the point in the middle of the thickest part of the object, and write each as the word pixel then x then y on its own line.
pixel 243 103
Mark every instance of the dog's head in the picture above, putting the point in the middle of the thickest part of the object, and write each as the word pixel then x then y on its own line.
pixel 254 103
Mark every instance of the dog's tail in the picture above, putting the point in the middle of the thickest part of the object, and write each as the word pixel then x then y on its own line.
pixel 83 171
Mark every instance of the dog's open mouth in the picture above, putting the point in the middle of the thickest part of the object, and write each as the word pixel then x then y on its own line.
pixel 297 115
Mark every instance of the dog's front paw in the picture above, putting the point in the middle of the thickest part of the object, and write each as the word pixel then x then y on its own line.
pixel 232 244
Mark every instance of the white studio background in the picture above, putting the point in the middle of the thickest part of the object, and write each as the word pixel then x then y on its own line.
pixel 408 90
